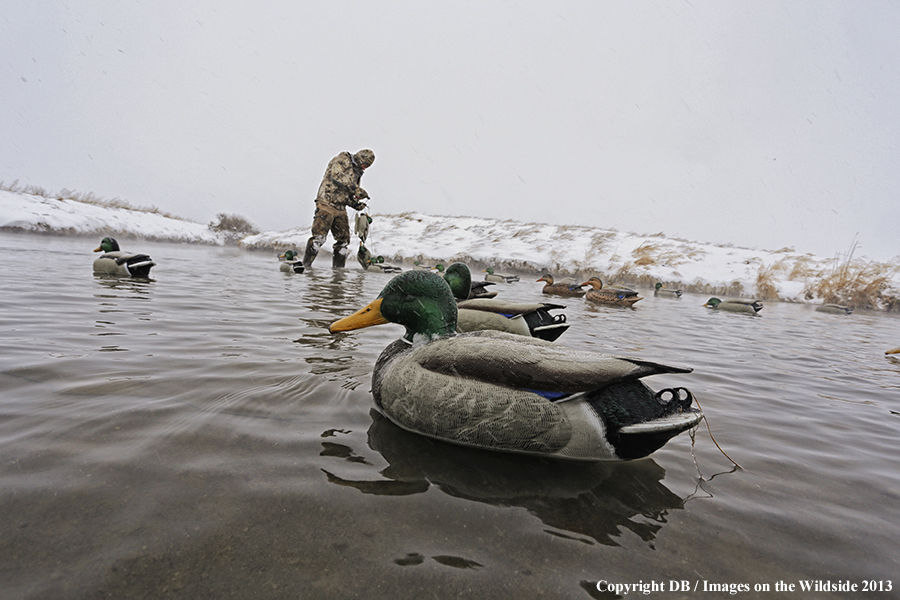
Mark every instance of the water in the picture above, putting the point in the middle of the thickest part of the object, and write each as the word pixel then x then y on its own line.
pixel 202 435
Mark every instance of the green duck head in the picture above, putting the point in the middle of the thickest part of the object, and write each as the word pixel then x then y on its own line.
pixel 107 244
pixel 289 255
pixel 489 271
pixel 421 301
pixel 658 285
pixel 439 267
pixel 459 278
pixel 713 302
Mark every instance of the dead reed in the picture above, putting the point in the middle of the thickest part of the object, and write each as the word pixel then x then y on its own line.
pixel 859 285
pixel 765 283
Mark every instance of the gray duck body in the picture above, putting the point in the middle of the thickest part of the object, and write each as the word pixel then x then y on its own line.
pixel 477 389
pixel 118 263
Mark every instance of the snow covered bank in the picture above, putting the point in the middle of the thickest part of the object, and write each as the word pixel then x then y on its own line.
pixel 526 248
pixel 27 212
pixel 620 257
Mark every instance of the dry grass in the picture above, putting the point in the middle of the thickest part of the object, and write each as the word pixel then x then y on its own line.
pixel 765 285
pixel 528 230
pixel 859 285
pixel 433 229
pixel 648 254
pixel 599 240
pixel 803 269
pixel 565 233
pixel 645 254
pixel 624 273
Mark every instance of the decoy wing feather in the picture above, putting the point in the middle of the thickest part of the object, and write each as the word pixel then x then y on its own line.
pixel 507 308
pixel 528 363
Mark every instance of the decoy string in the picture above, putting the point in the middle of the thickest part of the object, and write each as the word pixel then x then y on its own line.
pixel 706 420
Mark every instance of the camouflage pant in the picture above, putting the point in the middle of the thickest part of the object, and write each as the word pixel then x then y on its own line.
pixel 339 225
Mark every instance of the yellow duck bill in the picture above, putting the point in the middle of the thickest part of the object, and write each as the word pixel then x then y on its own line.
pixel 364 317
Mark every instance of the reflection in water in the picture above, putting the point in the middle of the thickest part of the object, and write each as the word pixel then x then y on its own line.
pixel 342 451
pixel 333 291
pixel 329 295
pixel 596 500
pixel 140 288
pixel 114 295
pixel 457 562
pixel 321 339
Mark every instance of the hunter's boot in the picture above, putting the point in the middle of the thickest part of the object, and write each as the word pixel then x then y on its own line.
pixel 339 259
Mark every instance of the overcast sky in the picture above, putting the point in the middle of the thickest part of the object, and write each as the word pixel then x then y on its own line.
pixel 757 123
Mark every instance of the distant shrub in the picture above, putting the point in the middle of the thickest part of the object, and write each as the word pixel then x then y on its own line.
pixel 233 227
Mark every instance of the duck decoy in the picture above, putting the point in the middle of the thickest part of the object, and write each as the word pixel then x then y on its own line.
pixel 663 292
pixel 374 264
pixel 893 350
pixel 419 266
pixel 610 295
pixel 490 275
pixel 477 289
pixel 564 287
pixel 835 309
pixel 510 393
pixel 530 319
pixel 119 263
pixel 745 306
pixel 291 262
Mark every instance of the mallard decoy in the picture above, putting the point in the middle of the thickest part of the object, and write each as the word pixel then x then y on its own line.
pixel 835 309
pixel 612 296
pixel 663 292
pixel 119 263
pixel 290 262
pixel 893 350
pixel 510 393
pixel 564 287
pixel 531 319
pixel 490 275
pixel 477 289
pixel 419 266
pixel 375 264
pixel 745 306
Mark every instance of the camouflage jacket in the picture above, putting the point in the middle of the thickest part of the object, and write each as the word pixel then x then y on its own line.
pixel 341 183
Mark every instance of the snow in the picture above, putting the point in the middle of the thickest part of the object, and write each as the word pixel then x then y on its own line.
pixel 505 245
pixel 28 212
